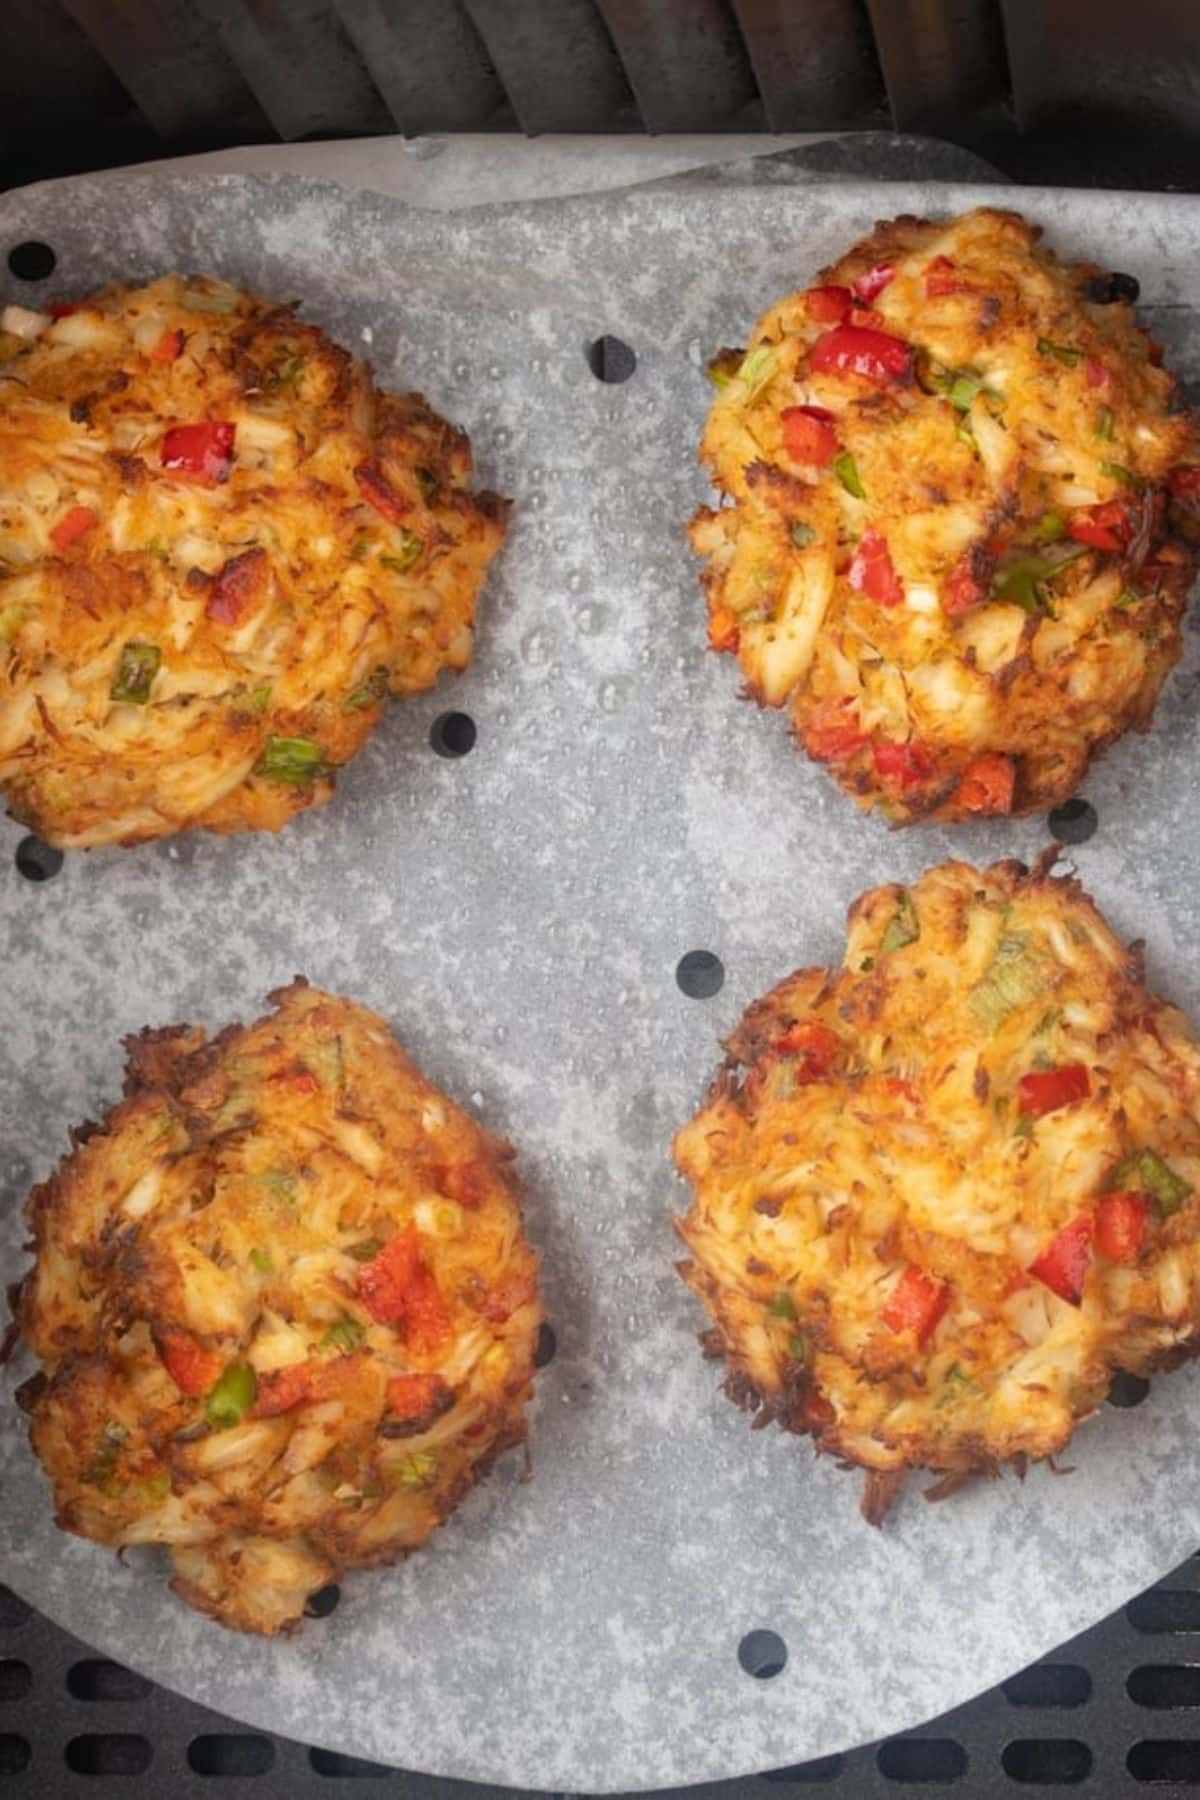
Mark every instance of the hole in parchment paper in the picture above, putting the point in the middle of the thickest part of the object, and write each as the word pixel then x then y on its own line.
pixel 1074 822
pixel 700 974
pixel 1106 290
pixel 223 1753
pixel 1166 1610
pixel 14 1753
pixel 323 1602
pixel 610 359
pixel 452 734
pixel 921 1759
pixel 344 1768
pixel 95 1679
pixel 1127 1390
pixel 1165 1685
pixel 762 1654
pixel 546 1347
pixel 825 1768
pixel 37 861
pixel 1050 1762
pixel 1171 1759
pixel 109 1753
pixel 31 261
pixel 1049 1684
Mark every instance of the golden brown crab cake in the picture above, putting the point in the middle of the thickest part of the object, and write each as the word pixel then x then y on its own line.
pixel 284 1307
pixel 220 549
pixel 946 546
pixel 943 1192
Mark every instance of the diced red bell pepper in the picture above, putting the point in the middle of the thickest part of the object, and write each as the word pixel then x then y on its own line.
pixel 833 733
pixel 378 492
pixel 296 1077
pixel 872 283
pixel 240 583
pixel 73 525
pixel 906 763
pixel 1120 1226
pixel 987 785
pixel 417 1398
pixel 168 348
pixel 1184 483
pixel 809 435
pixel 191 1367
pixel 1045 1090
pixel 1064 1263
pixel 62 309
pixel 723 630
pixel 1097 374
pixel 856 350
pixel 828 305
pixel 282 1390
pixel 942 277
pixel 465 1183
pixel 901 1089
pixel 963 588
pixel 872 571
pixel 204 452
pixel 398 1289
pixel 814 1046
pixel 1104 527
pixel 916 1304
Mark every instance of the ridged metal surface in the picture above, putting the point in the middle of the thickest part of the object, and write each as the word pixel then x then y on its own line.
pixel 117 78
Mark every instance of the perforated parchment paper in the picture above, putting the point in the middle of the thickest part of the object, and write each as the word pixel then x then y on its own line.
pixel 519 914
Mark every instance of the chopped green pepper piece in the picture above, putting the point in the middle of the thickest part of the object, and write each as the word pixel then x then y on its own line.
pixel 966 436
pixel 260 698
pixel 366 1250
pixel 846 470
pixel 1063 353
pixel 801 534
pixel 232 1397
pixel 1118 472
pixel 1016 975
pixel 99 1472
pixel 346 1335
pixel 1051 527
pixel 902 929
pixel 279 1183
pixel 1105 420
pixel 294 760
pixel 1156 1176
pixel 1025 580
pixel 756 370
pixel 368 693
pixel 135 673
pixel 962 391
pixel 797 1348
pixel 415 1471
pixel 409 552
pixel 261 1260
pixel 782 1307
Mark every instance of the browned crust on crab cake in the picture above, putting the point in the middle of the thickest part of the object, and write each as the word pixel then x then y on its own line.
pixel 1020 420
pixel 283 1305
pixel 942 1193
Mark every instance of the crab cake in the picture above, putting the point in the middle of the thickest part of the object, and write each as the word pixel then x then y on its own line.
pixel 943 1192
pixel 947 546
pixel 220 550
pixel 284 1308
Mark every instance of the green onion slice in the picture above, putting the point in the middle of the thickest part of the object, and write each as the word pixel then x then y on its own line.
pixel 135 673
pixel 294 760
pixel 232 1397
pixel 846 470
